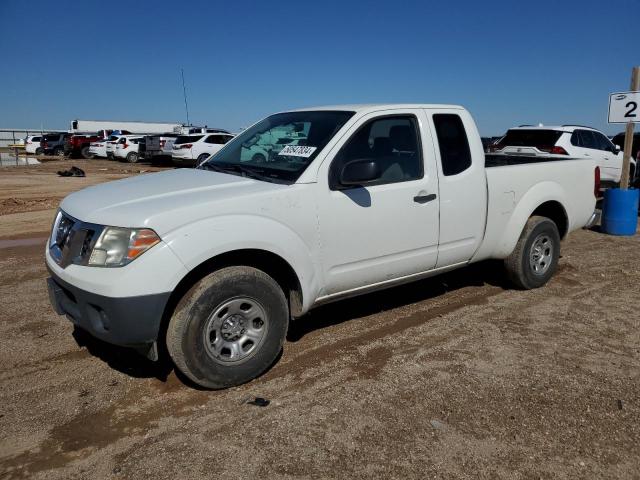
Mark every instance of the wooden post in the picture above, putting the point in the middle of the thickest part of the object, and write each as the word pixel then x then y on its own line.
pixel 628 136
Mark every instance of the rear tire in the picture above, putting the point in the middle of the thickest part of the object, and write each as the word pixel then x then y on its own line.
pixel 58 151
pixel 84 153
pixel 202 157
pixel 535 257
pixel 39 151
pixel 132 157
pixel 228 328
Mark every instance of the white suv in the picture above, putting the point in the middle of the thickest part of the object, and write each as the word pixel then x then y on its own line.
pixel 195 149
pixel 565 142
pixel 127 148
pixel 32 144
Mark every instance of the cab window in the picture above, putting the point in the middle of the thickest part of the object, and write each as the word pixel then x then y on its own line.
pixel 392 142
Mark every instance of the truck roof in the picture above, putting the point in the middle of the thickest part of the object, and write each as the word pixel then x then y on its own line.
pixel 365 107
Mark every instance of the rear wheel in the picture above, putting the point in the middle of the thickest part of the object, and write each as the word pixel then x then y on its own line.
pixel 228 328
pixel 39 151
pixel 535 258
pixel 259 158
pixel 132 157
pixel 202 157
pixel 58 151
pixel 84 153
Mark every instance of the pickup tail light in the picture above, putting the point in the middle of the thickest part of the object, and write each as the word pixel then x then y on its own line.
pixel 596 182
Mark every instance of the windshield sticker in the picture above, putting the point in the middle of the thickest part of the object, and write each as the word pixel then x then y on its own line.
pixel 297 151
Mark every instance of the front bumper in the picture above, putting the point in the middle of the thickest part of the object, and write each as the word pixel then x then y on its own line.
pixel 126 321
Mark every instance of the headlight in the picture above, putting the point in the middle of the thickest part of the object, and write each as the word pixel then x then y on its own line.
pixel 118 246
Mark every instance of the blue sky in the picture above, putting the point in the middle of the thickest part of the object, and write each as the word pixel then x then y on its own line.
pixel 509 63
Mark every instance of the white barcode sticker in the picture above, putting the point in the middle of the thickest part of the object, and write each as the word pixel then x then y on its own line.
pixel 297 151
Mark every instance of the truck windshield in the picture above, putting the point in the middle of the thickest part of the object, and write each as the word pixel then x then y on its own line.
pixel 280 147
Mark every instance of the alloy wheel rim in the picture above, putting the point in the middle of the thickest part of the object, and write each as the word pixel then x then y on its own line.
pixel 541 254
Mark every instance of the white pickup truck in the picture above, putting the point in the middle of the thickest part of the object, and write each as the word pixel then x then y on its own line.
pixel 214 262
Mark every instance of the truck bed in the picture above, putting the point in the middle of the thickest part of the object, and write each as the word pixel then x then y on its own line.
pixel 517 185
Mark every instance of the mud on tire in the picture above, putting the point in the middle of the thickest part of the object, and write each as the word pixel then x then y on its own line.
pixel 228 328
pixel 534 260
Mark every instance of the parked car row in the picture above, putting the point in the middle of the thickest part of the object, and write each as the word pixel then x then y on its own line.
pixel 569 142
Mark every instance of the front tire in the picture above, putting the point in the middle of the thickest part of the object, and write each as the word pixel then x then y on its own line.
pixel 228 328
pixel 535 257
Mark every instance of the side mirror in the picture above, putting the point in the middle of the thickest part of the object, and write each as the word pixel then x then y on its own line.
pixel 616 148
pixel 360 173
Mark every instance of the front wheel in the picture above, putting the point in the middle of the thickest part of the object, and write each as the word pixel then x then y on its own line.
pixel 228 328
pixel 535 258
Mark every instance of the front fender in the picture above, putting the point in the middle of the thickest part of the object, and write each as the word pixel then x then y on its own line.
pixel 200 241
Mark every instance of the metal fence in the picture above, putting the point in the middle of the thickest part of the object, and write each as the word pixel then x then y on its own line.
pixel 11 136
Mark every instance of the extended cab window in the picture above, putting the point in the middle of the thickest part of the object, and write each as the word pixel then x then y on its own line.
pixel 455 154
pixel 392 142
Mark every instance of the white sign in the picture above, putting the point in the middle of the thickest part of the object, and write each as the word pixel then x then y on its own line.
pixel 624 107
pixel 297 151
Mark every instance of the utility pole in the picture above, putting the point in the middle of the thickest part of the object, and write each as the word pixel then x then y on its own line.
pixel 184 92
pixel 628 136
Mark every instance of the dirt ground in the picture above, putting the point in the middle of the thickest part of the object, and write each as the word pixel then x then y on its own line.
pixel 454 377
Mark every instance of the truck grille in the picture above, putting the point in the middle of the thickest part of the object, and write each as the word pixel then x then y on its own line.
pixel 72 240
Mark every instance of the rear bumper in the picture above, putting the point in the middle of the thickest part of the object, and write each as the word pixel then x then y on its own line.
pixel 127 321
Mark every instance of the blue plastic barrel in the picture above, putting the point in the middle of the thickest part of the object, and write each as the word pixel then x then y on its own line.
pixel 620 211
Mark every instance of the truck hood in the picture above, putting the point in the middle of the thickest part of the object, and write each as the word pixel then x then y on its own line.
pixel 163 200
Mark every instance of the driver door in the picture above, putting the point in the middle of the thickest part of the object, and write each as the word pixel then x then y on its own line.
pixel 388 229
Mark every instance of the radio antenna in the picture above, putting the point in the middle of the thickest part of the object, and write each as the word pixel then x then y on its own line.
pixel 184 92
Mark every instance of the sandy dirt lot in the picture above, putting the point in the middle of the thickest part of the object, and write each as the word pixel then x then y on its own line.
pixel 454 377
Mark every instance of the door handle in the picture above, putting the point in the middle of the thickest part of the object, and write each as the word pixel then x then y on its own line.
pixel 424 198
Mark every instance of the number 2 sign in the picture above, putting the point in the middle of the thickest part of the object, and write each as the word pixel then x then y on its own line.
pixel 623 107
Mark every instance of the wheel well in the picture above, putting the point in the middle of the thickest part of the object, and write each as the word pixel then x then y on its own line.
pixel 270 263
pixel 555 212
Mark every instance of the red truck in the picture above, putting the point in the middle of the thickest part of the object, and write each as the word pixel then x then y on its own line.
pixel 78 144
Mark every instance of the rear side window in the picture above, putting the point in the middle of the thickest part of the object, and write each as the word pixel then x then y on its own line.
pixel 455 154
pixel 531 138
pixel 584 139
pixel 187 139
pixel 216 139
